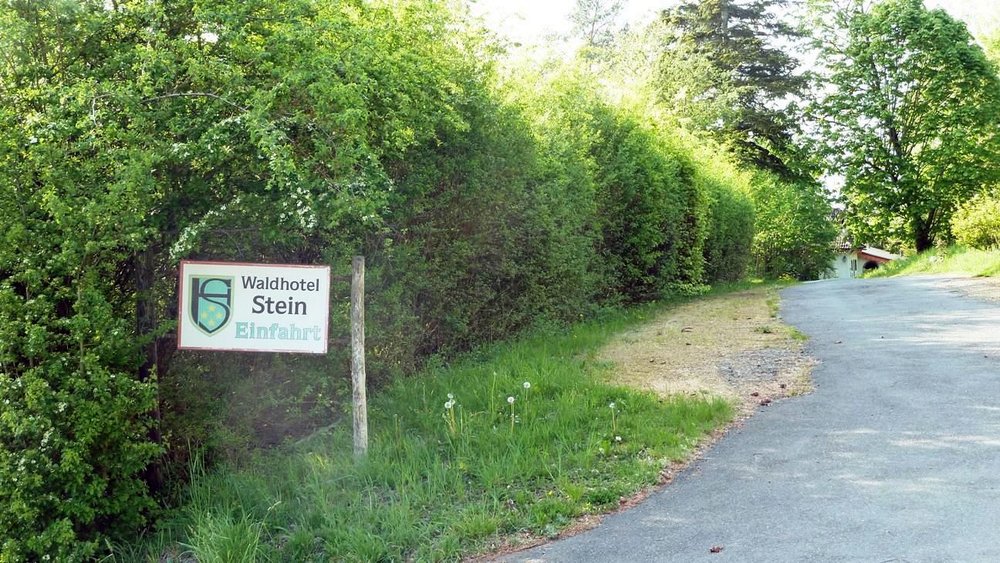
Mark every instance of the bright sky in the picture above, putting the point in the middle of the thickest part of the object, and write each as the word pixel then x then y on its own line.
pixel 530 21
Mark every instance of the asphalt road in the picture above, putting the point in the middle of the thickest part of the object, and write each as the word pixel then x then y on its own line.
pixel 894 457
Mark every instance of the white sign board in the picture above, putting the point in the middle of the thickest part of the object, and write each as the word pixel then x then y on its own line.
pixel 253 307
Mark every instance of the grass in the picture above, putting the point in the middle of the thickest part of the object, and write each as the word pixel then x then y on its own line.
pixel 518 440
pixel 954 259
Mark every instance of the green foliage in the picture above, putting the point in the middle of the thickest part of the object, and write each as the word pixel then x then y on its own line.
pixel 140 133
pixel 976 223
pixel 650 210
pixel 911 118
pixel 730 234
pixel 794 232
pixel 945 260
pixel 731 223
pixel 638 191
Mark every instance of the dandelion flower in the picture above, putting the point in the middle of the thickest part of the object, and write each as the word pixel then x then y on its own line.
pixel 450 396
pixel 510 400
pixel 611 406
pixel 527 385
pixel 618 438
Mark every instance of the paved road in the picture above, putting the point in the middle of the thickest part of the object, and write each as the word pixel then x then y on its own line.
pixel 894 457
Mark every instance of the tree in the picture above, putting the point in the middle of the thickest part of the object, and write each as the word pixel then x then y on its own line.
pixel 728 50
pixel 910 120
pixel 595 21
pixel 794 232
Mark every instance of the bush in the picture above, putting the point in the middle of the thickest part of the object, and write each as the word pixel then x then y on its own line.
pixel 730 234
pixel 730 224
pixel 794 233
pixel 977 222
pixel 650 211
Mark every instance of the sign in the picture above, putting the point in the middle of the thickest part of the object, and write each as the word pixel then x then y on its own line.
pixel 253 307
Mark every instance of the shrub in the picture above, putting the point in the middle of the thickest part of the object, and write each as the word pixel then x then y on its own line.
pixel 794 232
pixel 977 222
pixel 730 234
pixel 650 211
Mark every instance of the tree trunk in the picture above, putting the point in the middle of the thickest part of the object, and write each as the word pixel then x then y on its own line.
pixel 922 231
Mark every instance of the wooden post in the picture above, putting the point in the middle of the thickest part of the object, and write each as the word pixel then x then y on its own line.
pixel 358 356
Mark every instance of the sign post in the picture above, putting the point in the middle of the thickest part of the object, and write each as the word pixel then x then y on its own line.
pixel 271 308
pixel 358 356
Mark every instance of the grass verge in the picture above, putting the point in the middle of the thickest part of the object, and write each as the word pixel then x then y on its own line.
pixel 954 259
pixel 506 444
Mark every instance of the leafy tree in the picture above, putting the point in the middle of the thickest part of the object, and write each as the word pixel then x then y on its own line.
pixel 724 55
pixel 794 231
pixel 596 21
pixel 695 93
pixel 992 45
pixel 910 120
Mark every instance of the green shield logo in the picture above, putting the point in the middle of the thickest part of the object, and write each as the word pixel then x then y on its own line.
pixel 210 305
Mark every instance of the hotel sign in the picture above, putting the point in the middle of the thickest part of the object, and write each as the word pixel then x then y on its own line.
pixel 253 307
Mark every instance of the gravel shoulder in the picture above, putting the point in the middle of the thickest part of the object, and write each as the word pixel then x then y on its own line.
pixel 732 345
pixel 984 289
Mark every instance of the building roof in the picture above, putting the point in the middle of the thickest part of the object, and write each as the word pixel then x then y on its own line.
pixel 878 253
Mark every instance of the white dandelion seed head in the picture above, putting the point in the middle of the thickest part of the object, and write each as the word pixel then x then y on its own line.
pixel 527 385
pixel 618 438
pixel 450 396
pixel 510 400
pixel 611 406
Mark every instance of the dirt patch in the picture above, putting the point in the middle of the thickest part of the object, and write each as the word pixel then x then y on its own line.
pixel 986 289
pixel 733 345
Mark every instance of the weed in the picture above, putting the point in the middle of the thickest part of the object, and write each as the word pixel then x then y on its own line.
pixel 510 401
pixel 797 334
pixel 449 415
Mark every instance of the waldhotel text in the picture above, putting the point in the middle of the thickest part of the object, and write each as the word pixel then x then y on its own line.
pixel 263 304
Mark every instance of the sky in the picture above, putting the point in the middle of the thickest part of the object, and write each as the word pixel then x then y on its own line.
pixel 530 21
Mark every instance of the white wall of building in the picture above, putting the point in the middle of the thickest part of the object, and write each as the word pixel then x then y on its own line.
pixel 846 265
